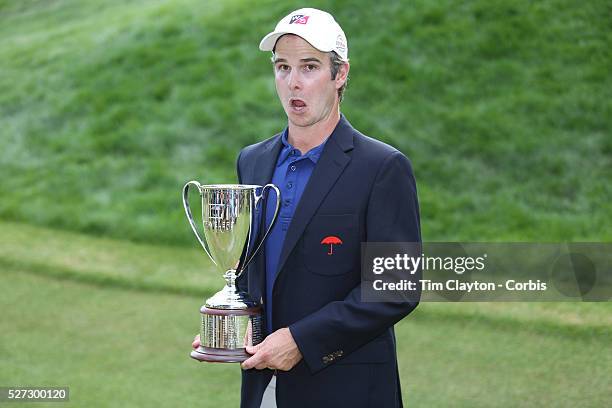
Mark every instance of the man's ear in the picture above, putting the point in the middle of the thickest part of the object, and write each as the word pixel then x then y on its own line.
pixel 342 75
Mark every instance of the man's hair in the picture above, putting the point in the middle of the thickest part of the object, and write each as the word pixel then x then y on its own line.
pixel 335 63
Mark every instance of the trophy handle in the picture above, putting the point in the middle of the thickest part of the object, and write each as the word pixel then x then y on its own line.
pixel 190 217
pixel 257 199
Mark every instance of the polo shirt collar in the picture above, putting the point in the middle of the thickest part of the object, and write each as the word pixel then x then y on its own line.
pixel 313 154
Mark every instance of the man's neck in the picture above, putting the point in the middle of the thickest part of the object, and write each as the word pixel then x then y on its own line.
pixel 306 138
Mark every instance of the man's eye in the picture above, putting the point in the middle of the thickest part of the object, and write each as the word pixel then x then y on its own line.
pixel 310 67
pixel 283 67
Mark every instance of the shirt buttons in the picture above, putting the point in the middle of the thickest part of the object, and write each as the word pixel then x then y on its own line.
pixel 289 185
pixel 293 167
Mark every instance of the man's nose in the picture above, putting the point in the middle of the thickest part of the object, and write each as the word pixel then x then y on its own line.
pixel 294 80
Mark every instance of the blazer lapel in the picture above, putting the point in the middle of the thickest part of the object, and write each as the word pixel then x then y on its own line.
pixel 332 162
pixel 266 161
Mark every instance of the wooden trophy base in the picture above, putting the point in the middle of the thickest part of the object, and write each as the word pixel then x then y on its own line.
pixel 215 355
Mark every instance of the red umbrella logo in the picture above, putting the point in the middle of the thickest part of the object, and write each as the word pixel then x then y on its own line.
pixel 331 240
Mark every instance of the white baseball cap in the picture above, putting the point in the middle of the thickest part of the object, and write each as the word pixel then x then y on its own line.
pixel 315 26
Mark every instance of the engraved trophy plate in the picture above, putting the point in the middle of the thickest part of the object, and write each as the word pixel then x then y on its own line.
pixel 231 320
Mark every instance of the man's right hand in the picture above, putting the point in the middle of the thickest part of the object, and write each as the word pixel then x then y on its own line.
pixel 196 341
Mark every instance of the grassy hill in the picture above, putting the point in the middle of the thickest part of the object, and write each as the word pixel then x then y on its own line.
pixel 108 107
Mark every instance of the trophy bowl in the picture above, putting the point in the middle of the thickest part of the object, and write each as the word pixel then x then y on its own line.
pixel 231 320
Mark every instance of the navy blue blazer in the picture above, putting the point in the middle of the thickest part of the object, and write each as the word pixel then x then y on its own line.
pixel 360 190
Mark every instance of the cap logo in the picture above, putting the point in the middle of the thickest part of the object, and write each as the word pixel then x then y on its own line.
pixel 299 19
pixel 340 44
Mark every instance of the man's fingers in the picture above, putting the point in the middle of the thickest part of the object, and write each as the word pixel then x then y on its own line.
pixel 254 349
pixel 259 360
pixel 254 361
pixel 196 342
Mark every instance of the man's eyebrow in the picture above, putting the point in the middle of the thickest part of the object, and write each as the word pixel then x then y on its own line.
pixel 310 59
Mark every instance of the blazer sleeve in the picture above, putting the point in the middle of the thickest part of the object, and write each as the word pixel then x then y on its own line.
pixel 392 216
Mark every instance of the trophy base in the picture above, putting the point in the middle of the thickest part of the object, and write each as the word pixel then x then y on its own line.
pixel 214 355
pixel 225 333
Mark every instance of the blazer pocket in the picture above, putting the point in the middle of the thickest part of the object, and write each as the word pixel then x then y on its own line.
pixel 331 244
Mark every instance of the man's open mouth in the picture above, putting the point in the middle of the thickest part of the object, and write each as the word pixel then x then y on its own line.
pixel 297 104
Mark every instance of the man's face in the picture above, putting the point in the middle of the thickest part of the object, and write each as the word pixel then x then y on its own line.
pixel 303 81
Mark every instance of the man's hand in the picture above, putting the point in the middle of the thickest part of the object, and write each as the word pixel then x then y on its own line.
pixel 196 342
pixel 277 352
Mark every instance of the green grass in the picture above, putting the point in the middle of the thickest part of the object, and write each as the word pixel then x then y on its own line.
pixel 114 321
pixel 129 348
pixel 469 362
pixel 107 262
pixel 107 108
pixel 111 347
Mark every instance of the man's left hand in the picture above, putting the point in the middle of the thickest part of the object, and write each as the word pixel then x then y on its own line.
pixel 278 351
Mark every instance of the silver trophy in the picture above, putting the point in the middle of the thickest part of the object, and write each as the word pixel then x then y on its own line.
pixel 231 320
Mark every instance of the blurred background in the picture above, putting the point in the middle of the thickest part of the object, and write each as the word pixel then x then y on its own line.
pixel 108 107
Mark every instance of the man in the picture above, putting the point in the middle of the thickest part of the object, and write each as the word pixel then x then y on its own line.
pixel 325 347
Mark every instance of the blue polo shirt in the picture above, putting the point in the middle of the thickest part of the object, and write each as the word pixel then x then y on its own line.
pixel 291 175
